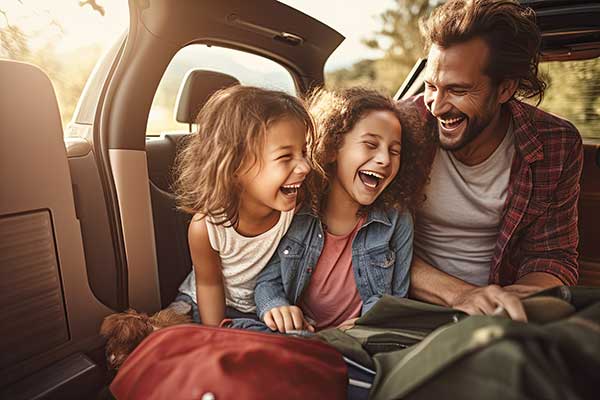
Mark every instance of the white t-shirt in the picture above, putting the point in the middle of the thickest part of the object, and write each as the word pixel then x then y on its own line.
pixel 242 258
pixel 457 227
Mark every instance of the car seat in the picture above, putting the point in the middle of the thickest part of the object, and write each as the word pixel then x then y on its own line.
pixel 170 224
pixel 50 317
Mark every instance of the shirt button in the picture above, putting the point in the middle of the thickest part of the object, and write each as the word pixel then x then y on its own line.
pixel 286 252
pixel 208 396
pixel 320 236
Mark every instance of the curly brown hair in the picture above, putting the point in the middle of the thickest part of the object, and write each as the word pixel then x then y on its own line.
pixel 231 133
pixel 508 28
pixel 335 113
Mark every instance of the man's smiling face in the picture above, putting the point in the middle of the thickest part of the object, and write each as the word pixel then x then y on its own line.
pixel 459 93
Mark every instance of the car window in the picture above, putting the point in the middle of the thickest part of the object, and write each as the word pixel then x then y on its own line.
pixel 86 107
pixel 574 93
pixel 249 69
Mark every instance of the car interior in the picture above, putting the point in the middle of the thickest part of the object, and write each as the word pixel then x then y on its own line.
pixel 90 227
pixel 95 199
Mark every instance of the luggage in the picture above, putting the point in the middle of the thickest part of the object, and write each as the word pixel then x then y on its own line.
pixel 422 351
pixel 199 362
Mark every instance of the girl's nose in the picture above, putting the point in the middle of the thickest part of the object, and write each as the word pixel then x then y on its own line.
pixel 383 157
pixel 302 167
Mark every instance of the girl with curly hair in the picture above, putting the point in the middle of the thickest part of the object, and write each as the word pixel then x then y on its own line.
pixel 240 176
pixel 353 242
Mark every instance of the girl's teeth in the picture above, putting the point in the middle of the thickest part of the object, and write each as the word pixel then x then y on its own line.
pixel 370 179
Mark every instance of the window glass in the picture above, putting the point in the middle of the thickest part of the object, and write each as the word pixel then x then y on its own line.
pixel 248 68
pixel 574 93
pixel 65 39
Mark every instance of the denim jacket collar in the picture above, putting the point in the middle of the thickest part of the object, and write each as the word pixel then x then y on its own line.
pixel 374 215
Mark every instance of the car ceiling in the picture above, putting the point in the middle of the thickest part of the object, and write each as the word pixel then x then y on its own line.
pixel 570 29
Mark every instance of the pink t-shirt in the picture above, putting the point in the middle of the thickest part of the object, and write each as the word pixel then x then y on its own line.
pixel 332 296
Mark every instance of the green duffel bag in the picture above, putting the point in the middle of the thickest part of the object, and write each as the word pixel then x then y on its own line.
pixel 423 351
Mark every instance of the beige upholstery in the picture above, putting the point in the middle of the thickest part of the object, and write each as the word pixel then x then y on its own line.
pixel 48 310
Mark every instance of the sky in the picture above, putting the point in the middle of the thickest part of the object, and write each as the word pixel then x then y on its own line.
pixel 81 26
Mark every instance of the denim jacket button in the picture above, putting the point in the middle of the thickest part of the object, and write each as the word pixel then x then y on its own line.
pixel 320 236
pixel 286 252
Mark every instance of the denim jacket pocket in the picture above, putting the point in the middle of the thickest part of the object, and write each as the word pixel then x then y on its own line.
pixel 380 269
pixel 291 255
pixel 382 259
pixel 289 249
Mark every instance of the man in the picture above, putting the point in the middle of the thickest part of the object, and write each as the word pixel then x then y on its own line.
pixel 500 217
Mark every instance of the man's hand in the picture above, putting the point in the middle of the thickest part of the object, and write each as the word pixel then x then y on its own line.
pixel 286 318
pixel 522 291
pixel 490 300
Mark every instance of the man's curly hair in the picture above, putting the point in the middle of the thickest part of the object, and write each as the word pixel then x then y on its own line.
pixel 335 114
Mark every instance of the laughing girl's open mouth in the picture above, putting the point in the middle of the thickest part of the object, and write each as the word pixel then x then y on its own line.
pixel 370 178
pixel 290 190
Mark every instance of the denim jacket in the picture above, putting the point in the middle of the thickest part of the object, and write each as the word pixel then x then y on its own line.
pixel 381 257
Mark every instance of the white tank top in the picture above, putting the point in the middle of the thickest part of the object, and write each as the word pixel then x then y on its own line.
pixel 242 258
pixel 457 227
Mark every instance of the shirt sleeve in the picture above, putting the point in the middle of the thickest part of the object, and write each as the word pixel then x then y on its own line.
pixel 402 241
pixel 269 292
pixel 550 244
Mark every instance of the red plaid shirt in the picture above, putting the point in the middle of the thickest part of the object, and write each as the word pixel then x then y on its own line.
pixel 538 229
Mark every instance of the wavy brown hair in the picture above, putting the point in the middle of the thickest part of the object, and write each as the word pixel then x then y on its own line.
pixel 231 133
pixel 508 28
pixel 335 114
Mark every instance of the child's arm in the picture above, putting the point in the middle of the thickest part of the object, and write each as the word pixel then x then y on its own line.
pixel 272 305
pixel 210 293
pixel 402 244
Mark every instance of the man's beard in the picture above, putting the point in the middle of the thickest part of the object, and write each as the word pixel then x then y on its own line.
pixel 475 126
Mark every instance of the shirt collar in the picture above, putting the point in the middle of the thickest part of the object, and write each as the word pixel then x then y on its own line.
pixel 525 132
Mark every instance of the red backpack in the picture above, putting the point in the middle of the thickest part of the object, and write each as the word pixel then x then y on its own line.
pixel 199 362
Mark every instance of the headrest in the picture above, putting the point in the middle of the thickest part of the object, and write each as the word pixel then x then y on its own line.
pixel 198 85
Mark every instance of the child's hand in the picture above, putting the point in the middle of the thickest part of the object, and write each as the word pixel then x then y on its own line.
pixel 287 318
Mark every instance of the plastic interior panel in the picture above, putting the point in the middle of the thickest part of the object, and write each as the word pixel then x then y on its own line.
pixel 32 300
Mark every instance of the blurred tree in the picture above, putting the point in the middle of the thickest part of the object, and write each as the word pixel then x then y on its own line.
pixel 68 77
pixel 13 41
pixel 95 6
pixel 574 93
pixel 401 43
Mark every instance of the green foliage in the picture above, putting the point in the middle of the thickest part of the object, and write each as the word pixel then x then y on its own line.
pixel 574 93
pixel 401 43
pixel 68 72
pixel 13 42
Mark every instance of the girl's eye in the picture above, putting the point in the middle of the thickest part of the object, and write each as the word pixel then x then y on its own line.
pixel 459 92
pixel 284 157
pixel 395 152
pixel 371 145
